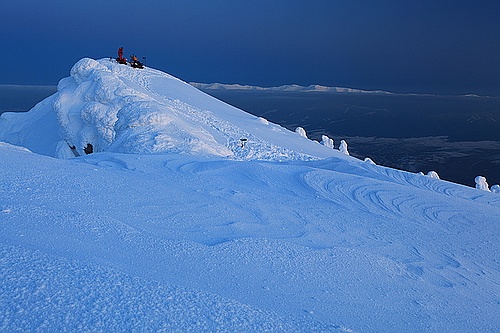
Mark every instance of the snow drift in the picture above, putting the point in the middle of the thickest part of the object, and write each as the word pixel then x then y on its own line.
pixel 175 223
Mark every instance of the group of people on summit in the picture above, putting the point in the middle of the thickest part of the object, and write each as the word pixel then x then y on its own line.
pixel 134 62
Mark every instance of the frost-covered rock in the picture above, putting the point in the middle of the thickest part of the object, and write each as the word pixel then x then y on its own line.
pixel 327 142
pixel 495 188
pixel 343 147
pixel 301 131
pixel 481 183
pixel 433 174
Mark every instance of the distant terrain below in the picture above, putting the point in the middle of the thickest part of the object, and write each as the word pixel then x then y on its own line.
pixel 18 98
pixel 456 136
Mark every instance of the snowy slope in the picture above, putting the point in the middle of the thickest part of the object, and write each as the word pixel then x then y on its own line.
pixel 120 109
pixel 172 226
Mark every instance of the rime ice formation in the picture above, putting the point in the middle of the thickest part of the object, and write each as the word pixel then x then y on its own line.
pixel 343 147
pixel 481 183
pixel 301 131
pixel 327 142
pixel 433 174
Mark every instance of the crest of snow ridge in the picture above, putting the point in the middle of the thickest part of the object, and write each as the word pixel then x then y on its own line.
pixel 117 108
pixel 99 105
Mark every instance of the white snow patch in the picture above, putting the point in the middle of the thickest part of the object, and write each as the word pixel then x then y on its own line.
pixel 433 174
pixel 481 183
pixel 343 147
pixel 327 142
pixel 369 161
pixel 263 121
pixel 301 131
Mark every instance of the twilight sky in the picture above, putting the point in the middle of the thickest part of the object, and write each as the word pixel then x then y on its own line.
pixel 425 46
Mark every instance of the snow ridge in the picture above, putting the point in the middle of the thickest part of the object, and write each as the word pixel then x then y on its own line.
pixel 114 116
pixel 116 108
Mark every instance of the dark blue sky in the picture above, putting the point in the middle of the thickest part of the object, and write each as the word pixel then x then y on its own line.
pixel 402 46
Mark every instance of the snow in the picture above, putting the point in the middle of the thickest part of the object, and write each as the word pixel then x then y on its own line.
pixel 301 131
pixel 433 174
pixel 481 183
pixel 327 142
pixel 343 147
pixel 174 225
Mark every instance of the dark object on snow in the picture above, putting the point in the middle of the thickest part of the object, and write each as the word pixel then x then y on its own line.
pixel 73 150
pixel 243 141
pixel 134 62
pixel 89 149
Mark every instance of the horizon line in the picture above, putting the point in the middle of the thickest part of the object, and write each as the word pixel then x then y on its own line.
pixel 316 88
pixel 313 88
pixel 28 85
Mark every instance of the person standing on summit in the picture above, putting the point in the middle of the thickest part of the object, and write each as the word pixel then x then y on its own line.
pixel 120 58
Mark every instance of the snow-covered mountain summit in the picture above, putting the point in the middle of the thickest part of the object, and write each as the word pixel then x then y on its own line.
pixel 174 224
pixel 118 108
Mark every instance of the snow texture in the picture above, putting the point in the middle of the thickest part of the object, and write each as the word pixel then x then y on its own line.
pixel 172 225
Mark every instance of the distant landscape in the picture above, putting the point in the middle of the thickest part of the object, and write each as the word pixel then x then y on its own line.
pixel 21 98
pixel 456 136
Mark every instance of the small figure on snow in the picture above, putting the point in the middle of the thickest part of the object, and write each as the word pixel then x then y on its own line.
pixel 89 149
pixel 243 141
pixel 134 62
pixel 120 58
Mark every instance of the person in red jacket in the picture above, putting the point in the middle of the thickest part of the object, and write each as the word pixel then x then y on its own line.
pixel 120 58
